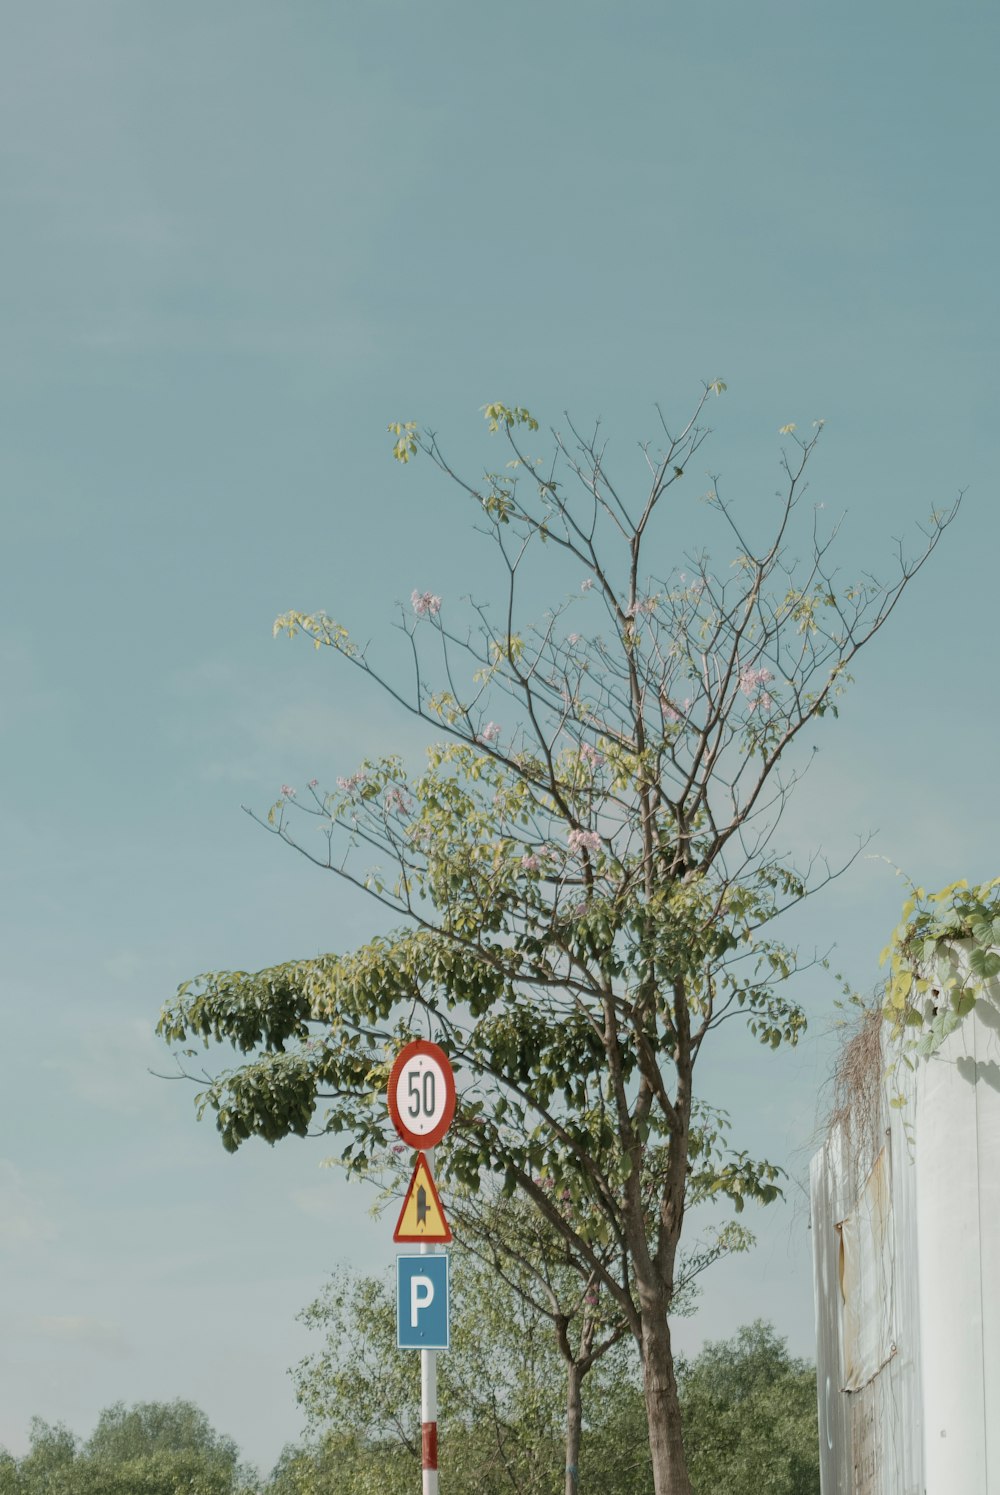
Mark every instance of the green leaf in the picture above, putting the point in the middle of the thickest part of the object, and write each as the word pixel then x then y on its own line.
pixel 984 963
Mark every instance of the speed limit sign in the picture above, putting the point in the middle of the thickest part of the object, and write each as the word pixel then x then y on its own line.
pixel 421 1094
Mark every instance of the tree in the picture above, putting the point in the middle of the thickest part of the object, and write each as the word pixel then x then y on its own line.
pixel 748 1407
pixel 499 1388
pixel 151 1448
pixel 516 1246
pixel 160 1446
pixel 516 1286
pixel 519 1248
pixel 585 893
pixel 48 1464
pixel 750 1420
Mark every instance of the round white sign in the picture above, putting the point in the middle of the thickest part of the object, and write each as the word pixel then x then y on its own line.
pixel 422 1094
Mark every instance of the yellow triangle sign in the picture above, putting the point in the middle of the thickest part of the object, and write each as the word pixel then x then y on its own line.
pixel 422 1217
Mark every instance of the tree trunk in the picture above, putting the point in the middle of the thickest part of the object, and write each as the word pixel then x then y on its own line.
pixel 574 1426
pixel 663 1410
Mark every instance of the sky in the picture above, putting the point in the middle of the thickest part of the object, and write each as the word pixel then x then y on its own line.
pixel 238 240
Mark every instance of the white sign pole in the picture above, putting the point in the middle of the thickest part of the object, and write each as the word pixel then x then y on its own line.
pixel 428 1395
pixel 421 1096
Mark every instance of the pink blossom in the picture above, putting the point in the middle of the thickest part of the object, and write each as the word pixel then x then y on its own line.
pixel 313 783
pixel 590 755
pixel 395 799
pixel 398 1147
pixel 352 783
pixel 586 584
pixel 287 791
pixel 670 713
pixel 573 638
pixel 580 910
pixel 531 862
pixel 590 1297
pixel 581 841
pixel 425 602
pixel 490 732
pixel 763 700
pixel 751 679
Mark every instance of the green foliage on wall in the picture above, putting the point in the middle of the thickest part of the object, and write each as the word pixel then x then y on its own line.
pixel 942 958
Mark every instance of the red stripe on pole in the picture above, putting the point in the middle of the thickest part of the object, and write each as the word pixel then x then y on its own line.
pixel 429 1445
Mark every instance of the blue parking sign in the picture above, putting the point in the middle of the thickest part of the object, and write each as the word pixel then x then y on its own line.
pixel 422 1302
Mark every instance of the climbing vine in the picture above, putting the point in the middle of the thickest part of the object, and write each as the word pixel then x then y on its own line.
pixel 942 955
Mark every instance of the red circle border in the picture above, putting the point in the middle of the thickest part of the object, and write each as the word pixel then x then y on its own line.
pixel 425 1140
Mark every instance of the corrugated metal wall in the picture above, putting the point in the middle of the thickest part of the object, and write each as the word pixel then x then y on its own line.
pixel 867 1326
pixel 826 1209
pixel 906 1262
pixel 958 1222
pixel 987 1061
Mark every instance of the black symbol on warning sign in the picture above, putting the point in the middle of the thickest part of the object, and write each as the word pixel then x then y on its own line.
pixel 423 1208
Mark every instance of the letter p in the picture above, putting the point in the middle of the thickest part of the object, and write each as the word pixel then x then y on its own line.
pixel 421 1296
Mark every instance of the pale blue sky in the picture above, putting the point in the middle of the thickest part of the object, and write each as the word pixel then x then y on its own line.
pixel 238 239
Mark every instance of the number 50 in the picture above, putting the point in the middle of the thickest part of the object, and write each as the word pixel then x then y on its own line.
pixel 421 1091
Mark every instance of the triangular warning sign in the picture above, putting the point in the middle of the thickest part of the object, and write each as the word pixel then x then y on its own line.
pixel 422 1218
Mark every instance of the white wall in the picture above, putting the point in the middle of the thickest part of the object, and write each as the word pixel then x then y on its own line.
pixel 927 1421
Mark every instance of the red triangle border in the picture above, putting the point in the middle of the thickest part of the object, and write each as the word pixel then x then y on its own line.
pixel 410 1238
